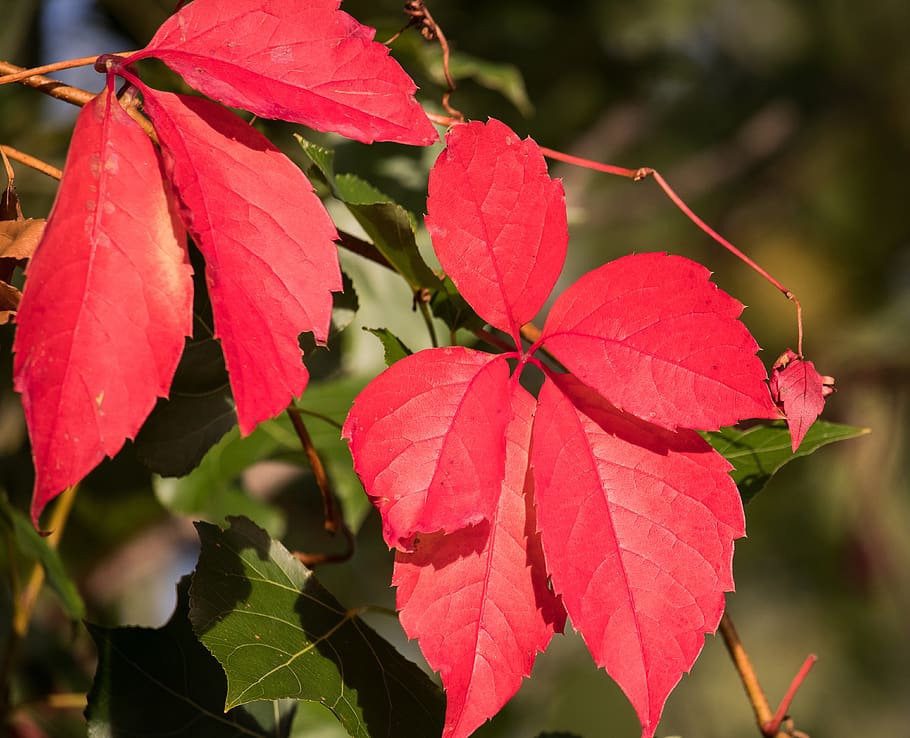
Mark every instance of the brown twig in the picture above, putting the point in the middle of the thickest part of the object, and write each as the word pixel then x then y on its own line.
pixel 52 87
pixel 55 67
pixel 768 723
pixel 420 16
pixel 31 161
pixel 333 519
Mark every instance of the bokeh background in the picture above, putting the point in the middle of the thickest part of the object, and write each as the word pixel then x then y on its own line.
pixel 785 125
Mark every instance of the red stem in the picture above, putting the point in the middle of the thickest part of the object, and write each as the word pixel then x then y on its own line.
pixel 642 173
pixel 771 727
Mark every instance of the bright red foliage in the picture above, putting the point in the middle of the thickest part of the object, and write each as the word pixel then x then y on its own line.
pixel 503 234
pixel 296 60
pixel 108 299
pixel 270 262
pixel 106 305
pixel 478 598
pixel 636 518
pixel 800 390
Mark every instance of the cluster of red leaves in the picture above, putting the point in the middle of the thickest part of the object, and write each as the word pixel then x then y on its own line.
pixel 108 296
pixel 594 499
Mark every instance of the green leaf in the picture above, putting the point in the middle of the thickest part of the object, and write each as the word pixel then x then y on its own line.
pixel 279 634
pixel 449 306
pixel 506 79
pixel 214 489
pixel 322 158
pixel 163 683
pixel 32 546
pixel 758 452
pixel 352 190
pixel 394 347
pixel 200 410
pixel 391 229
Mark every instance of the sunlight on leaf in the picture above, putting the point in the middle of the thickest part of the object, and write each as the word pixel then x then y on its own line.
pixel 278 633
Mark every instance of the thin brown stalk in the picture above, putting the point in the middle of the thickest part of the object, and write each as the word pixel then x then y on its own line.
pixel 31 161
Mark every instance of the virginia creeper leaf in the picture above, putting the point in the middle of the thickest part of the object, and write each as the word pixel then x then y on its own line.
pixel 760 451
pixel 163 683
pixel 106 305
pixel 662 342
pixel 295 60
pixel 394 348
pixel 498 222
pixel 800 390
pixel 637 525
pixel 477 600
pixel 414 432
pixel 278 633
pixel 271 265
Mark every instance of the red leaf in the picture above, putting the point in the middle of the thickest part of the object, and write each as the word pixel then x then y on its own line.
pixel 477 600
pixel 651 334
pixel 296 60
pixel 801 391
pixel 637 525
pixel 415 432
pixel 498 222
pixel 271 264
pixel 107 302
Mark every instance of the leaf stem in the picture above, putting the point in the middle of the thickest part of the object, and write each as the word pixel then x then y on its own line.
pixel 55 67
pixel 52 87
pixel 643 173
pixel 26 603
pixel 427 319
pixel 768 723
pixel 329 510
pixel 334 522
pixel 31 161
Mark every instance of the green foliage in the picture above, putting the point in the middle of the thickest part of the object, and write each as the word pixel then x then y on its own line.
pixel 758 452
pixel 252 604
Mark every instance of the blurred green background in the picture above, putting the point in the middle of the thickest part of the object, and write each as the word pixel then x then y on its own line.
pixel 786 126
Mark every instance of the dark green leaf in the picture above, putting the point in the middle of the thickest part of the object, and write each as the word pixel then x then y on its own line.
pixel 278 633
pixel 394 347
pixel 391 229
pixel 322 158
pixel 200 408
pixel 506 79
pixel 449 306
pixel 758 452
pixel 214 489
pixel 163 683
pixel 35 548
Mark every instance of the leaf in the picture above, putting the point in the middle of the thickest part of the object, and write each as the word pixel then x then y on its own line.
pixel 393 346
pixel 636 520
pixel 800 390
pixel 498 222
pixel 182 428
pixel 271 266
pixel 214 488
pixel 477 600
pixel 661 342
pixel 19 238
pixel 278 633
pixel 758 452
pixel 296 60
pixel 450 307
pixel 413 432
pixel 637 525
pixel 505 79
pixel 163 683
pixel 106 305
pixel 33 546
